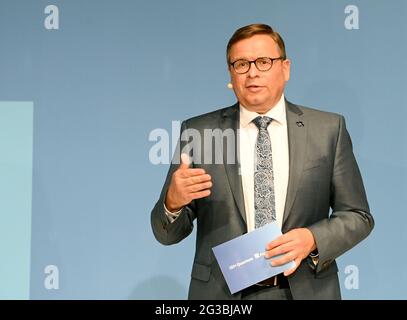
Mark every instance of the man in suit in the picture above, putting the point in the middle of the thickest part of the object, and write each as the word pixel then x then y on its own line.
pixel 307 160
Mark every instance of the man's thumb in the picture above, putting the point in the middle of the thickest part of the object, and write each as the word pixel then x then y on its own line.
pixel 185 162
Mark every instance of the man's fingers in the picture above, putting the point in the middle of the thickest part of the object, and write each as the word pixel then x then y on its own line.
pixel 200 194
pixel 284 248
pixel 199 186
pixel 185 171
pixel 198 179
pixel 282 259
pixel 277 242
pixel 189 172
pixel 185 162
pixel 292 270
pixel 192 183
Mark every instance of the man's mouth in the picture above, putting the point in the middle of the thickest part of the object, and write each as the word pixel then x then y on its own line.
pixel 254 88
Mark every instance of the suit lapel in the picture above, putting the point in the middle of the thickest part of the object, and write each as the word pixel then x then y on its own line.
pixel 230 120
pixel 297 137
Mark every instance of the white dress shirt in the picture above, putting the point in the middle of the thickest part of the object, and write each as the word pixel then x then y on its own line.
pixel 279 145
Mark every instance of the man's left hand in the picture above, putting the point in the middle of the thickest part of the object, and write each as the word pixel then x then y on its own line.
pixel 294 245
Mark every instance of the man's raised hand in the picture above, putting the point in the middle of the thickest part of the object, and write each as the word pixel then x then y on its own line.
pixel 187 184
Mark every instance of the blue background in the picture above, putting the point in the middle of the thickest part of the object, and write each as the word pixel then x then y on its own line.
pixel 116 70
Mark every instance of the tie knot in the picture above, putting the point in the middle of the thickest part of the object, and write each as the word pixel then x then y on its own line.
pixel 262 122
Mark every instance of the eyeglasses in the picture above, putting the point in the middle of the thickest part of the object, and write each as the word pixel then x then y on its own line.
pixel 262 64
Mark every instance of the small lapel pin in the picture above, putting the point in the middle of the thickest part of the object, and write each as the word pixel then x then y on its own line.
pixel 300 123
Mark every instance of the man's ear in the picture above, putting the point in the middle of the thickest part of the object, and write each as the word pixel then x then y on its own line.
pixel 230 85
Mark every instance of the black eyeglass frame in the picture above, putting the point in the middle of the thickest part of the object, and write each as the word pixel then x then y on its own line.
pixel 255 63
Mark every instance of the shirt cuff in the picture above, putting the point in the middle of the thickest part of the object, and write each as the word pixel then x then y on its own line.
pixel 172 216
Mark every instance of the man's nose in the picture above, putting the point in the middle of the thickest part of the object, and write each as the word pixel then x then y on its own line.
pixel 253 71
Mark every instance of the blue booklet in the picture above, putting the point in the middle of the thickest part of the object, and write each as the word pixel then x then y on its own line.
pixel 242 259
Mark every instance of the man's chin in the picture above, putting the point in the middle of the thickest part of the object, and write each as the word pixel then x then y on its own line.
pixel 259 108
pixel 256 103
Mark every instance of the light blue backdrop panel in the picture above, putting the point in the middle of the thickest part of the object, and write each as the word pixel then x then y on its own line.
pixel 116 70
pixel 16 149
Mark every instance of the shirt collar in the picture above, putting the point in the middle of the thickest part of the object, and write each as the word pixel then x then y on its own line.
pixel 277 113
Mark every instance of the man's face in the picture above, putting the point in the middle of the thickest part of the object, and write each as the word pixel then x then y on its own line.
pixel 259 90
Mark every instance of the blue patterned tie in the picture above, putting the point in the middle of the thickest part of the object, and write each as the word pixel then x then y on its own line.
pixel 264 201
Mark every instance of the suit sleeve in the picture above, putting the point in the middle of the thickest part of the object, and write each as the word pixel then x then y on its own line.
pixel 351 220
pixel 167 232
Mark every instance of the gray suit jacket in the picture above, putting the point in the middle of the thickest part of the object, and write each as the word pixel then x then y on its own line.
pixel 323 174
